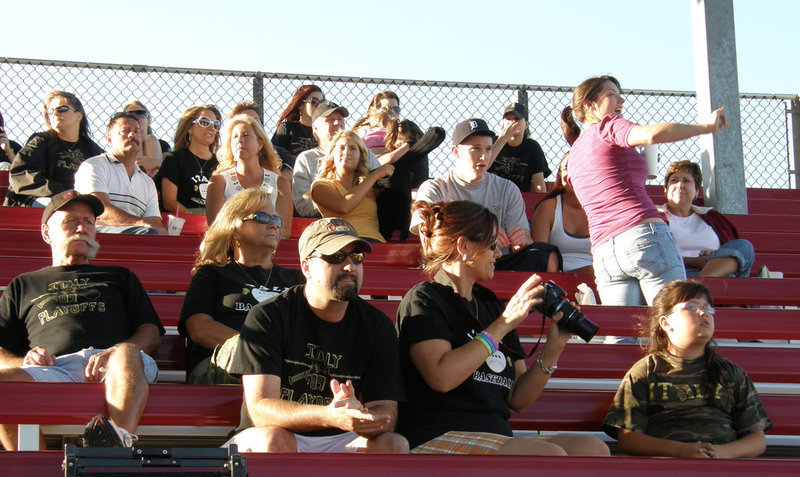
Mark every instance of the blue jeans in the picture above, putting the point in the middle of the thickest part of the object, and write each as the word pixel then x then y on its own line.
pixel 739 249
pixel 632 267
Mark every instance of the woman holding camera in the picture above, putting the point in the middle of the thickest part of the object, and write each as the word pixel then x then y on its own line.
pixel 462 361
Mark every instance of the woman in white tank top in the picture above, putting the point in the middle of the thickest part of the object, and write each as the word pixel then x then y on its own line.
pixel 560 220
pixel 247 160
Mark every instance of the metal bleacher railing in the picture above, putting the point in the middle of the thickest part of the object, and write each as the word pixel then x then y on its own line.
pixel 768 121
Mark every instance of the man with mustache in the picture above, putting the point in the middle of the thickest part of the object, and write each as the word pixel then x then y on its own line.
pixel 126 191
pixel 77 322
pixel 306 357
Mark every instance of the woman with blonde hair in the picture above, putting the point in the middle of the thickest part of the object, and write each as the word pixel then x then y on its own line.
pixel 184 174
pixel 247 160
pixel 233 272
pixel 151 157
pixel 343 186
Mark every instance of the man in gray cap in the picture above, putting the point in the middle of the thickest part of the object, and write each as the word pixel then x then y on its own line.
pixel 307 355
pixel 326 121
pixel 76 322
pixel 470 180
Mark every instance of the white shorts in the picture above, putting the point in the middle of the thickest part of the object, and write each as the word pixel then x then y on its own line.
pixel 347 442
pixel 70 368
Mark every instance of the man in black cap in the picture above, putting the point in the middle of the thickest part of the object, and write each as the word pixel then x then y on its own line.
pixel 517 157
pixel 76 322
pixel 470 180
pixel 307 355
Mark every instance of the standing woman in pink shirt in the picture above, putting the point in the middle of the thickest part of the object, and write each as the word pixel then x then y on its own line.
pixel 634 251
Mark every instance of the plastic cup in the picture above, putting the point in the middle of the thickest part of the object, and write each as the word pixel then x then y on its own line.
pixel 175 224
pixel 651 157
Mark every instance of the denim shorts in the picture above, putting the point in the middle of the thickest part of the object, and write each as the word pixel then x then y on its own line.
pixel 631 267
pixel 739 249
pixel 69 368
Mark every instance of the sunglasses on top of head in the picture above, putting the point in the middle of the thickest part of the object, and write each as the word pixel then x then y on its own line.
pixel 339 257
pixel 204 122
pixel 265 218
pixel 140 113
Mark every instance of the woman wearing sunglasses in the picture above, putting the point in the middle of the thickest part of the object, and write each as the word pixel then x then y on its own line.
pixel 294 124
pixel 463 365
pixel 343 186
pixel 234 272
pixel 184 174
pixel 151 157
pixel 247 160
pixel 46 165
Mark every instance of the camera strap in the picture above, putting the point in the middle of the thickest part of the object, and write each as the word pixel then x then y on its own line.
pixel 539 341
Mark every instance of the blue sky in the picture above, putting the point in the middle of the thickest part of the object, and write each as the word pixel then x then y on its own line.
pixel 647 44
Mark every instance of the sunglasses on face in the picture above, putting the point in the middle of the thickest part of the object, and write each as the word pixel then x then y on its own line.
pixel 492 245
pixel 61 110
pixel 265 218
pixel 339 257
pixel 204 122
pixel 315 101
pixel 140 114
pixel 708 309
pixel 395 109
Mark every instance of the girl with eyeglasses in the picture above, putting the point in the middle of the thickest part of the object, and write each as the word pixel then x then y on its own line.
pixel 294 124
pixel 234 272
pixel 151 156
pixel 185 172
pixel 462 361
pixel 683 399
pixel 247 160
pixel 343 186
pixel 46 164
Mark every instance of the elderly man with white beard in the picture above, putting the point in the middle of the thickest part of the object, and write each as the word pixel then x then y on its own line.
pixel 77 322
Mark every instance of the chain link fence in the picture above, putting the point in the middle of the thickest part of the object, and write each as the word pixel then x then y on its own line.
pixel 167 92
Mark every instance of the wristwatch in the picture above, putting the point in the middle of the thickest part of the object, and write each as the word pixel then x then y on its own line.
pixel 544 368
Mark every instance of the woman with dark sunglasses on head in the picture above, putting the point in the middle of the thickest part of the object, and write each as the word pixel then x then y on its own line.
pixel 46 165
pixel 294 124
pixel 247 160
pixel 184 174
pixel 234 272
pixel 151 156
pixel 463 364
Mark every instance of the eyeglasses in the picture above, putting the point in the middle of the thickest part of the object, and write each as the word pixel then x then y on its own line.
pixel 140 113
pixel 60 110
pixel 707 309
pixel 204 122
pixel 339 257
pixel 492 245
pixel 395 110
pixel 265 218
pixel 314 101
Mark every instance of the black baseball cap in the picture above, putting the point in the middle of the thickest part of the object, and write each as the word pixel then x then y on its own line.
pixel 60 200
pixel 518 109
pixel 326 109
pixel 471 127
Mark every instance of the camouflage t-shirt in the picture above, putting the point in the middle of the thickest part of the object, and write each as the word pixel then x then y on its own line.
pixel 666 397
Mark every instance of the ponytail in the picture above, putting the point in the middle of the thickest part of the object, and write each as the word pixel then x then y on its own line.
pixel 569 127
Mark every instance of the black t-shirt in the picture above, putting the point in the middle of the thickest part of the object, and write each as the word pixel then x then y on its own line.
pixel 190 174
pixel 226 293
pixel 294 137
pixel 66 309
pixel 519 163
pixel 283 337
pixel 479 404
pixel 45 166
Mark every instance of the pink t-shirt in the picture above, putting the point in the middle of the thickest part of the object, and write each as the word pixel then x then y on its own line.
pixel 374 138
pixel 609 177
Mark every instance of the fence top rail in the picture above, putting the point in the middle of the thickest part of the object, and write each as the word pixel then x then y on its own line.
pixel 351 79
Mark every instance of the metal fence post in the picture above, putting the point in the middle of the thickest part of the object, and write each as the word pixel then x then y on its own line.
pixel 258 94
pixel 796 139
pixel 522 97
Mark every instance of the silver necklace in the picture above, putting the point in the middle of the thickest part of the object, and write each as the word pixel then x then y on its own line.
pixel 260 286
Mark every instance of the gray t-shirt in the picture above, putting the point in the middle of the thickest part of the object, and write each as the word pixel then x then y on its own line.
pixel 499 195
pixel 305 169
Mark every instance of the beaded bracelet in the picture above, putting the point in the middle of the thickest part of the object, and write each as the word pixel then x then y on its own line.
pixel 491 339
pixel 485 343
